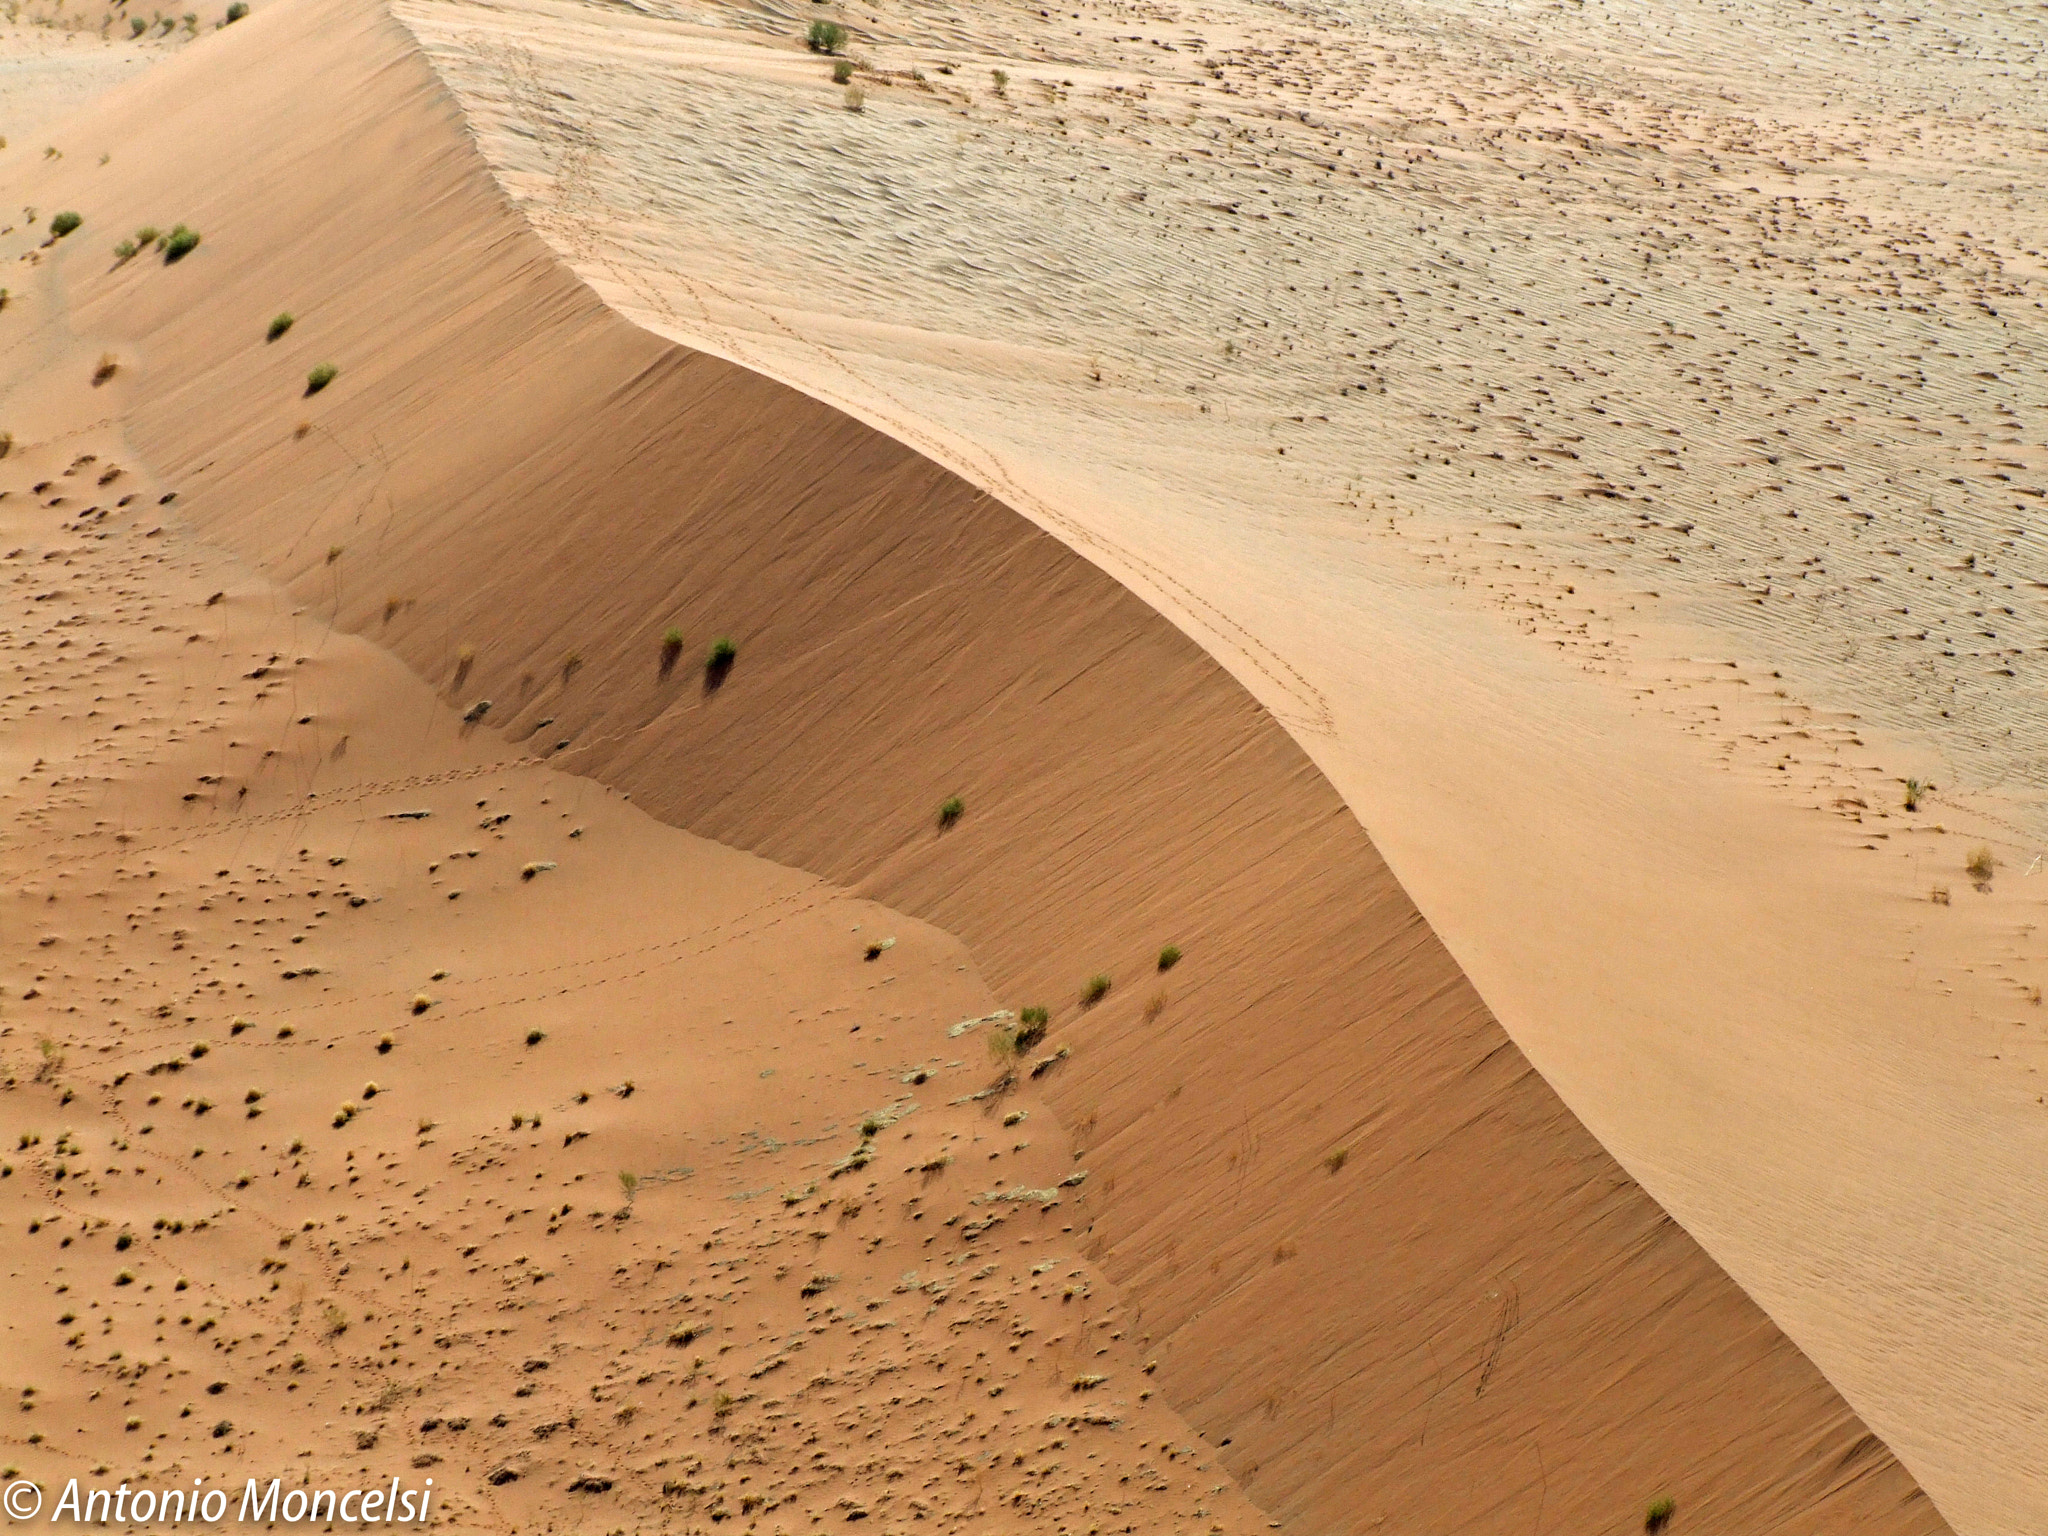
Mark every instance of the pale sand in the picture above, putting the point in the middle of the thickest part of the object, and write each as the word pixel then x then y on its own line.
pixel 1607 437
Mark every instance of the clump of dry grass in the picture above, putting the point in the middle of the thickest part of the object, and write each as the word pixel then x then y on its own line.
pixel 1980 866
pixel 1095 991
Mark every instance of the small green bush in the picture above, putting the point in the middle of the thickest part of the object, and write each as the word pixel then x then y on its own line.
pixel 825 37
pixel 180 243
pixel 671 648
pixel 1031 1027
pixel 722 655
pixel 236 12
pixel 1169 957
pixel 535 1036
pixel 320 378
pixel 64 223
pixel 125 251
pixel 279 324
pixel 1096 990
pixel 146 236
pixel 137 26
pixel 842 71
pixel 951 811
pixel 1658 1515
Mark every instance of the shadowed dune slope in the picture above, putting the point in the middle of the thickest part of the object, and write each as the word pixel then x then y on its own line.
pixel 1373 1254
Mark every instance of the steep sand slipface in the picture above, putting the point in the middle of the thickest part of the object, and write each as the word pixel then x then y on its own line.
pixel 1470 1318
pixel 1607 437
pixel 380 1103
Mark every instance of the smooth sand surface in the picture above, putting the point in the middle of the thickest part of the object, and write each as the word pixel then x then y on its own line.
pixel 1360 1244
pixel 1608 437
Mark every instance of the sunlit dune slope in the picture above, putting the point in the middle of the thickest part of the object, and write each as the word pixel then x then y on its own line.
pixel 1378 1263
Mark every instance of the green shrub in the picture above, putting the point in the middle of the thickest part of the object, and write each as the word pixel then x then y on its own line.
pixel 842 71
pixel 719 660
pixel 671 648
pixel 320 378
pixel 951 811
pixel 1658 1515
pixel 1096 990
pixel 137 26
pixel 180 243
pixel 1169 957
pixel 1031 1027
pixel 146 236
pixel 825 37
pixel 279 324
pixel 236 12
pixel 64 223
pixel 125 251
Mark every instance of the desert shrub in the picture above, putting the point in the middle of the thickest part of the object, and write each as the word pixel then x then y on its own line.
pixel 1980 866
pixel 6 444
pixel 64 223
pixel 1169 957
pixel 105 368
pixel 146 236
pixel 125 251
pixel 535 1036
pixel 718 661
pixel 1659 1514
pixel 1914 790
pixel 1096 990
pixel 1001 78
pixel 825 37
pixel 856 99
pixel 951 811
pixel 320 378
pixel 236 12
pixel 1031 1026
pixel 279 324
pixel 842 71
pixel 671 648
pixel 137 26
pixel 181 242
pixel 1337 1158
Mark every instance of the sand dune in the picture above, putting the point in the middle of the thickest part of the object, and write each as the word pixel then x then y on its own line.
pixel 1606 436
pixel 385 1103
pixel 1339 1222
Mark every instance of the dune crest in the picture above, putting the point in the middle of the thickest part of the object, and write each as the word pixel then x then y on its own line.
pixel 1373 1258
